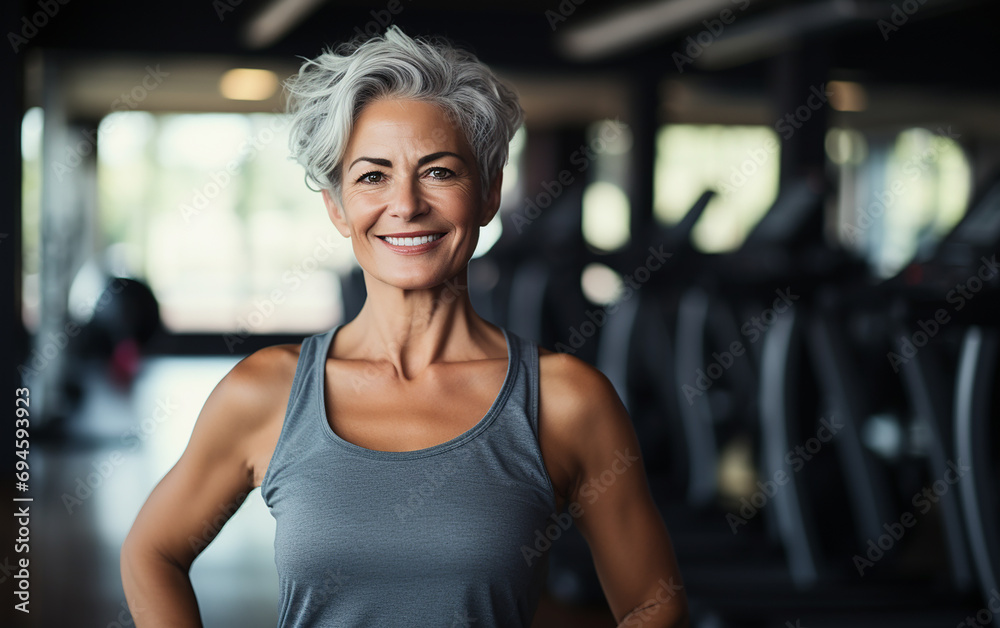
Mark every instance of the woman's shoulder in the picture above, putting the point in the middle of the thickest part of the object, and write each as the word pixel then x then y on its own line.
pixel 572 391
pixel 248 406
pixel 566 368
pixel 269 361
pixel 262 380
pixel 253 394
pixel 579 413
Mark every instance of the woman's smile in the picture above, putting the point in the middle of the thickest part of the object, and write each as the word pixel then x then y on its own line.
pixel 414 244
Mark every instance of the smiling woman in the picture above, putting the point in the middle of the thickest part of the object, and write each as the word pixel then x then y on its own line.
pixel 414 456
pixel 406 158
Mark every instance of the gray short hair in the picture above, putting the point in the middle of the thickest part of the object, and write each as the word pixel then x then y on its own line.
pixel 329 92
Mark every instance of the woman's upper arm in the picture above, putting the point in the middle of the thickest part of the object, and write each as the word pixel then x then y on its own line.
pixel 608 494
pixel 216 471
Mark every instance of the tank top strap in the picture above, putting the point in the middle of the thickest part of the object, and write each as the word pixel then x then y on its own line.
pixel 526 385
pixel 513 438
pixel 308 373
pixel 299 428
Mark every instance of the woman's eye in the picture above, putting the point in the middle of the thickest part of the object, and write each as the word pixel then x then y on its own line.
pixel 439 173
pixel 371 177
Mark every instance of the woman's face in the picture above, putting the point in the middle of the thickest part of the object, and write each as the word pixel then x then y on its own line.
pixel 409 173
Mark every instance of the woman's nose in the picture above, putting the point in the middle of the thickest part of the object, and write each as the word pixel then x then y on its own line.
pixel 407 202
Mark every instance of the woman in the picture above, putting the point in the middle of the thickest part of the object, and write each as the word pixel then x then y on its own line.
pixel 418 459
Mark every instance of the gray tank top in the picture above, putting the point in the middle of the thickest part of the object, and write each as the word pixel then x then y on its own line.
pixel 443 536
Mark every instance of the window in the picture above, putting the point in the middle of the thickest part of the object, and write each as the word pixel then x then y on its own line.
pixel 899 195
pixel 209 210
pixel 606 219
pixel 741 163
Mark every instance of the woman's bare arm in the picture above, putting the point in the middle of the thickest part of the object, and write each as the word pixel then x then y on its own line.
pixel 606 491
pixel 230 445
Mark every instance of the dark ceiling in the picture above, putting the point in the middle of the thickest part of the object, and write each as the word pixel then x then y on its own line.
pixel 944 42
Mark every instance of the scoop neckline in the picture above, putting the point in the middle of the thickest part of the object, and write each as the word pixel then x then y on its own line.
pixel 498 403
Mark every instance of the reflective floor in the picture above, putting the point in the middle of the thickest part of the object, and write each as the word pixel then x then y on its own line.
pixel 89 486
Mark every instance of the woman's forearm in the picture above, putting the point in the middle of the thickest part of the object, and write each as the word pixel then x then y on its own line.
pixel 158 592
pixel 650 616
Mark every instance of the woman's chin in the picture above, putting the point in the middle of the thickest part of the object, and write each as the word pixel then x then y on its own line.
pixel 411 282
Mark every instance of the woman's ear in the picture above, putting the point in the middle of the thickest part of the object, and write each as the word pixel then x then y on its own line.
pixel 336 213
pixel 492 203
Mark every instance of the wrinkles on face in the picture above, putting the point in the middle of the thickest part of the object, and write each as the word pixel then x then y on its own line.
pixel 407 169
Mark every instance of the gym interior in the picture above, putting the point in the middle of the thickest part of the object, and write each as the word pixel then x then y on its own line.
pixel 773 224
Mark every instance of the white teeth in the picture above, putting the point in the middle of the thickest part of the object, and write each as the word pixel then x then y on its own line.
pixel 411 241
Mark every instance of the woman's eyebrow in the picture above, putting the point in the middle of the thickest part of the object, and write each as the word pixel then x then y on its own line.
pixel 428 158
pixel 378 161
pixel 375 160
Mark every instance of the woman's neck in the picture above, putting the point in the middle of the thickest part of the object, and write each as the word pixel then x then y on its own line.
pixel 412 329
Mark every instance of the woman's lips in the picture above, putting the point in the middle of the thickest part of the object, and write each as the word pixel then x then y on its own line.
pixel 399 245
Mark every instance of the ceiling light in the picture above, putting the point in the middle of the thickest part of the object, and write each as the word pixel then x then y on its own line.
pixel 847 96
pixel 276 20
pixel 248 84
pixel 627 27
